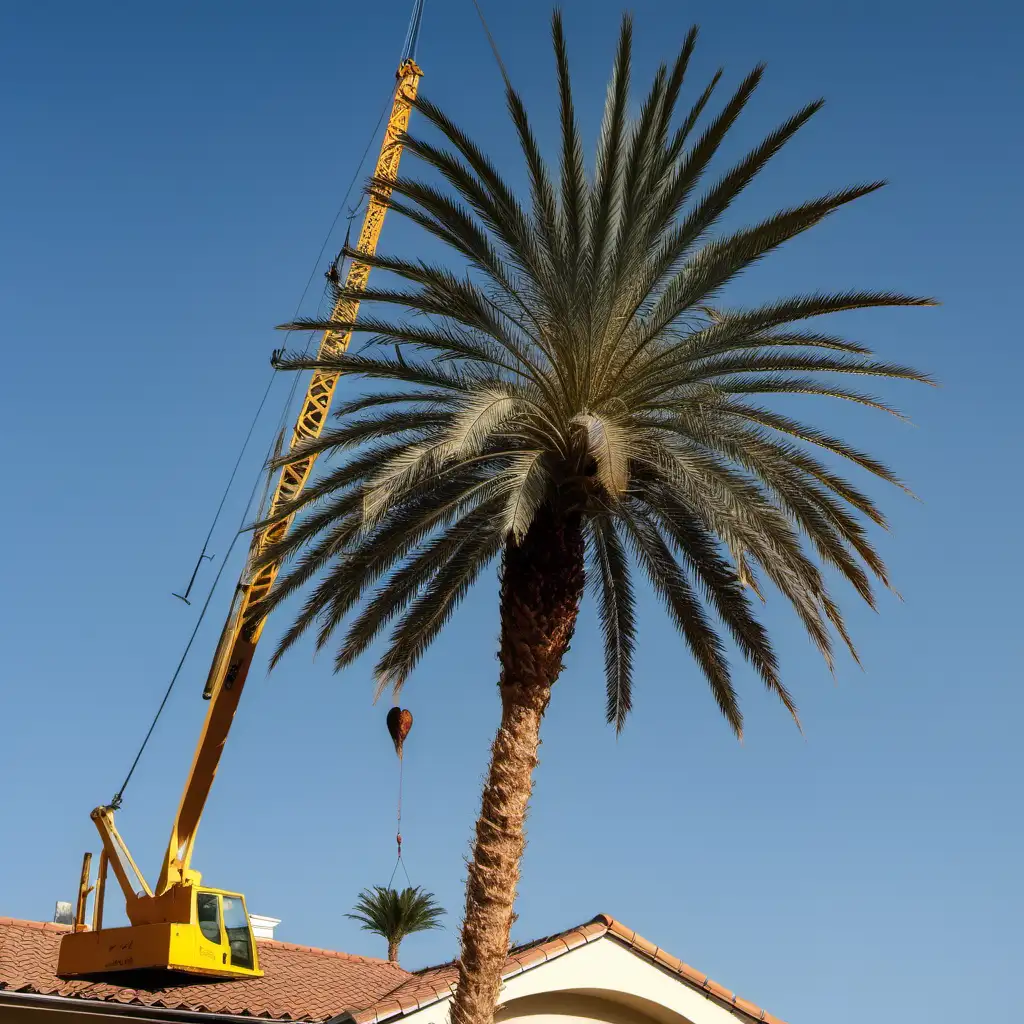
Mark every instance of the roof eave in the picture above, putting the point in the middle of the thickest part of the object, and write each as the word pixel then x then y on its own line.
pixel 133 1010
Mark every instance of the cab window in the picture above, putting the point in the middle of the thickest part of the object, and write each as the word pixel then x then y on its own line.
pixel 236 924
pixel 208 912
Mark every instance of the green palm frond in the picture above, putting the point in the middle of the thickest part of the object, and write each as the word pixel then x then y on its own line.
pixel 394 914
pixel 584 352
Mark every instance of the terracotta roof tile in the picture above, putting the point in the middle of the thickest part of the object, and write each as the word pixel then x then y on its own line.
pixel 532 957
pixel 300 982
pixel 303 983
pixel 693 977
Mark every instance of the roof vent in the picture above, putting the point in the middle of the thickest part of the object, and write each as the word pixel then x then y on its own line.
pixel 263 927
pixel 63 913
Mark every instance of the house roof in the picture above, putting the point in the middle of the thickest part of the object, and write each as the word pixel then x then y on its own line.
pixel 306 984
pixel 436 983
pixel 299 982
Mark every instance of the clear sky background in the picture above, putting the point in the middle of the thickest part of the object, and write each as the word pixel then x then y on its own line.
pixel 168 174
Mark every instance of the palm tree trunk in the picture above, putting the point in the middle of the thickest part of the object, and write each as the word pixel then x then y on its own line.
pixel 393 951
pixel 541 589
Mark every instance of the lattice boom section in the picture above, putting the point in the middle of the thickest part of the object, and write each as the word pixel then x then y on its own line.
pixel 320 392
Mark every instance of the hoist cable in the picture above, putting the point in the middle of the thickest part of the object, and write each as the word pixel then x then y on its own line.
pixel 401 772
pixel 490 39
pixel 227 488
pixel 298 308
pixel 282 422
pixel 412 37
pixel 116 802
pixel 408 52
pixel 412 33
pixel 400 860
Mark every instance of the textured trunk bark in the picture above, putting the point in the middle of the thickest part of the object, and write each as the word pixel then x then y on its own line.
pixel 393 952
pixel 541 589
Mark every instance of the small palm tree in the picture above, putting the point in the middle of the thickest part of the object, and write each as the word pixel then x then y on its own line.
pixel 394 914
pixel 582 402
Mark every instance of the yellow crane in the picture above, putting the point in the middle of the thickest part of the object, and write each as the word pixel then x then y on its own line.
pixel 182 925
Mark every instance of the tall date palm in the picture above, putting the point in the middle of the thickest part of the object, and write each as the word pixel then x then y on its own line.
pixel 579 400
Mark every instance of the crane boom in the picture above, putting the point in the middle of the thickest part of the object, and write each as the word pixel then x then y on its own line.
pixel 182 926
pixel 243 627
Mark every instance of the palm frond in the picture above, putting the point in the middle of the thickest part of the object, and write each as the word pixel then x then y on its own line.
pixel 394 914
pixel 578 358
pixel 686 611
pixel 616 607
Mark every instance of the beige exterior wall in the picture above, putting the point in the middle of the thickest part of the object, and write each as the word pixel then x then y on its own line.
pixel 600 983
pixel 573 1008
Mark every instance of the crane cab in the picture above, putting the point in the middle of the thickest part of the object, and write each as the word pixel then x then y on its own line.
pixel 216 942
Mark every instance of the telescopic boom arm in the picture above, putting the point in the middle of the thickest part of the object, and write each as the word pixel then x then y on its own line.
pixel 242 630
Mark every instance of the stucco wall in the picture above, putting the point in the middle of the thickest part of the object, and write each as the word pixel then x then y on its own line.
pixel 600 982
pixel 574 1008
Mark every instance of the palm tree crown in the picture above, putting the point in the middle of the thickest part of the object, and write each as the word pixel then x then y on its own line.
pixel 393 914
pixel 586 369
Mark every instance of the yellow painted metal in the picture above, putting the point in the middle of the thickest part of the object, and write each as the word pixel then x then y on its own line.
pixel 242 630
pixel 321 386
pixel 83 891
pixel 159 947
pixel 164 931
pixel 119 855
pixel 100 892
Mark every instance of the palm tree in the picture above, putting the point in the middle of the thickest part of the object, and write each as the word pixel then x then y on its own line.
pixel 394 914
pixel 580 401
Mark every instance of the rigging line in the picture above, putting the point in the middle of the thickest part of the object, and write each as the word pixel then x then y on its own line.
pixel 408 52
pixel 401 772
pixel 116 802
pixel 494 45
pixel 412 34
pixel 398 837
pixel 405 871
pixel 273 376
pixel 227 490
pixel 312 334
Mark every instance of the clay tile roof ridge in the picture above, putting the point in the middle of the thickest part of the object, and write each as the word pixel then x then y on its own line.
pixel 520 958
pixel 688 973
pixel 523 957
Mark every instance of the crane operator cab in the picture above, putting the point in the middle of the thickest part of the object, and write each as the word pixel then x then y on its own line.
pixel 224 930
pixel 216 942
pixel 223 921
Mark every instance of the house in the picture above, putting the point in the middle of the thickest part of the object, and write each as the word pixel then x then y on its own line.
pixel 598 973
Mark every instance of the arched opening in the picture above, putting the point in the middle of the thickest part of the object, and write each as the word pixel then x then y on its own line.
pixel 587 1006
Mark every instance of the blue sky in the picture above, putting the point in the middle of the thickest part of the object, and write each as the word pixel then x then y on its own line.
pixel 168 175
